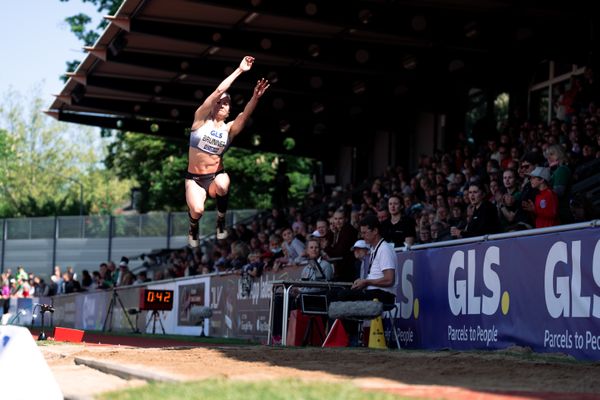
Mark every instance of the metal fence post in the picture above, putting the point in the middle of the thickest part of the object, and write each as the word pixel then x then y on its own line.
pixel 169 222
pixel 3 245
pixel 55 237
pixel 110 235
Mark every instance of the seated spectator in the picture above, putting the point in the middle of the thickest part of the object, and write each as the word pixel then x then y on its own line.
pixel 275 251
pixel 360 250
pixel 380 273
pixel 439 232
pixel 315 267
pixel 511 213
pixel 254 268
pixel 424 235
pixel 292 245
pixel 141 277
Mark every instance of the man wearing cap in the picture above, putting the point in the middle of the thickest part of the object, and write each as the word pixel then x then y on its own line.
pixel 117 274
pixel 360 250
pixel 545 208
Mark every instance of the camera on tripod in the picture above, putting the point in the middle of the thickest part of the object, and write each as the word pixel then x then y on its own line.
pixel 46 308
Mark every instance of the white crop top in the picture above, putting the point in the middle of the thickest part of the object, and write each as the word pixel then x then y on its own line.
pixel 209 139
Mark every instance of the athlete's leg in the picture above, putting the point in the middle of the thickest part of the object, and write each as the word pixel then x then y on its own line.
pixel 195 196
pixel 220 189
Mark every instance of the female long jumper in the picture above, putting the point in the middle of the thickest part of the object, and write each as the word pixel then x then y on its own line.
pixel 210 137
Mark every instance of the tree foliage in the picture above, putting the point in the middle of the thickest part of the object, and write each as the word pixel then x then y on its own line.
pixel 158 166
pixel 43 172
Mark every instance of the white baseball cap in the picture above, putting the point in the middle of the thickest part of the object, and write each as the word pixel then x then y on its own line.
pixel 360 244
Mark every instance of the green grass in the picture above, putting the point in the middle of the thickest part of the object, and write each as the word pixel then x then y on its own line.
pixel 212 389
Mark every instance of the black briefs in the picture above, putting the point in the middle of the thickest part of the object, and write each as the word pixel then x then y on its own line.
pixel 203 180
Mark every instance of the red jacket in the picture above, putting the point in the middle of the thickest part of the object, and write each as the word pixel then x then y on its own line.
pixel 546 209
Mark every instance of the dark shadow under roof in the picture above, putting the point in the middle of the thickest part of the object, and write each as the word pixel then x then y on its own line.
pixel 336 67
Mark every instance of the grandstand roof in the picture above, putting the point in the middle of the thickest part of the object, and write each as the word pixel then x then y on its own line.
pixel 337 67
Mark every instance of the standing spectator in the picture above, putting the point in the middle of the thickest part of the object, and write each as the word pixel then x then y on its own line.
pixel 40 288
pixel 545 207
pixel 5 292
pixel 344 235
pixel 484 216
pixel 123 270
pixel 58 279
pixel 86 280
pixel 399 228
pixel 560 180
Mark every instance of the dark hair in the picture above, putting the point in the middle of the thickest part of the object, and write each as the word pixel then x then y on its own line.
pixel 371 222
pixel 479 185
pixel 533 157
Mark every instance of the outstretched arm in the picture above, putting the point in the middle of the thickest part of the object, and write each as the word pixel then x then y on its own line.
pixel 204 110
pixel 240 121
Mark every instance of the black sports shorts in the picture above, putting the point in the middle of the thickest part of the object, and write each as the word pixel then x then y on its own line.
pixel 203 180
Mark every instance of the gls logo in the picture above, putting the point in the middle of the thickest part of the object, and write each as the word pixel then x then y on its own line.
pixel 565 298
pixel 408 303
pixel 461 292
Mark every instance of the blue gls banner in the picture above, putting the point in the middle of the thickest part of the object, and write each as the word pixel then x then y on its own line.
pixel 540 291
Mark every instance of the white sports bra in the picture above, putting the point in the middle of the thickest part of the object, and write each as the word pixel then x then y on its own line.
pixel 209 139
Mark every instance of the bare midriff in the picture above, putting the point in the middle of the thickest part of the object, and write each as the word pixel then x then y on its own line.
pixel 200 162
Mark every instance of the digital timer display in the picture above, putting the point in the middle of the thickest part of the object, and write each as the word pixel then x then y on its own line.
pixel 156 299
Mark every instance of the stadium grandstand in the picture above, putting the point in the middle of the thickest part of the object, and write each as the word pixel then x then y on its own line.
pixel 469 128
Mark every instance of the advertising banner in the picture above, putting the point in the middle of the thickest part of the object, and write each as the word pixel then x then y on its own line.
pixel 241 304
pixel 541 291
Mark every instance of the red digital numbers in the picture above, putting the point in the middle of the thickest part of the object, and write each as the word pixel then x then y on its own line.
pixel 156 299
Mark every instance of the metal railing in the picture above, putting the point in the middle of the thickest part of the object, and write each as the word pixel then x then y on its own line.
pixel 99 226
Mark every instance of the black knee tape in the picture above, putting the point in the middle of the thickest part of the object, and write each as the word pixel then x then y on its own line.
pixel 222 203
pixel 194 221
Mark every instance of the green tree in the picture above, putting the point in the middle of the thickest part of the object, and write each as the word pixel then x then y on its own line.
pixel 42 170
pixel 155 164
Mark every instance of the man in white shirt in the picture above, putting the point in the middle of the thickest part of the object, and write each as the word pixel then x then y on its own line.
pixel 380 267
pixel 379 270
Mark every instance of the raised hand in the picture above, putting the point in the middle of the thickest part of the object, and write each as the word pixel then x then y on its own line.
pixel 261 87
pixel 246 63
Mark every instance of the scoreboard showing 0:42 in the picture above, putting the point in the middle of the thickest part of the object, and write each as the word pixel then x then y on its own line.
pixel 156 299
